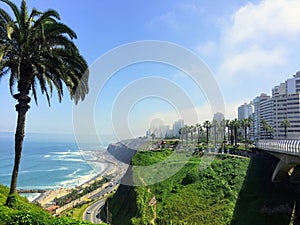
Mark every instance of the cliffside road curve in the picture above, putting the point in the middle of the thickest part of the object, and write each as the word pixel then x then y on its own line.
pixel 91 213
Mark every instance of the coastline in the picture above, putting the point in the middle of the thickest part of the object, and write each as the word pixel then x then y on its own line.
pixel 112 167
pixel 112 161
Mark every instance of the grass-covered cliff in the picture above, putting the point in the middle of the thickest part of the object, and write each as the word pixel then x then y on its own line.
pixel 226 190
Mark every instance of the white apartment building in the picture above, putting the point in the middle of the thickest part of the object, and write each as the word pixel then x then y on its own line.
pixel 263 110
pixel 293 84
pixel 245 111
pixel 176 127
pixel 287 107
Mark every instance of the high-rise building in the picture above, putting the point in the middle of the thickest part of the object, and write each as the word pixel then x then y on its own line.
pixel 293 84
pixel 283 105
pixel 286 106
pixel 218 117
pixel 245 111
pixel 218 127
pixel 177 126
pixel 263 110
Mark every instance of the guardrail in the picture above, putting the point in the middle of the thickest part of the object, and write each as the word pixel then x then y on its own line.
pixel 291 147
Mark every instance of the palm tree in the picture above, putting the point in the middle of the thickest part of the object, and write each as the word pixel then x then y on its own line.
pixel 199 130
pixel 270 130
pixel 246 123
pixel 285 124
pixel 236 125
pixel 214 124
pixel 223 129
pixel 181 131
pixel 231 126
pixel 265 127
pixel 153 136
pixel 37 50
pixel 228 125
pixel 186 132
pixel 192 129
pixel 207 126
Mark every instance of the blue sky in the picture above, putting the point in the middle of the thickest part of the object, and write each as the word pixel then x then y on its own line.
pixel 249 46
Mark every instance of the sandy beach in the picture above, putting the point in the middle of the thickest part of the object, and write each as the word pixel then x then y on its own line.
pixel 112 168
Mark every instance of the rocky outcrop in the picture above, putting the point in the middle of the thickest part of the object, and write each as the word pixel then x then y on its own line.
pixel 126 149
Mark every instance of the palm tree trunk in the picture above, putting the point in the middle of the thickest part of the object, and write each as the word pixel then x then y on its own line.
pixel 207 135
pixel 235 136
pixel 285 131
pixel 22 109
pixel 245 136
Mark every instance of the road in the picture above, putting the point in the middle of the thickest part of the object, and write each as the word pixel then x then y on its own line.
pixel 91 214
pixel 94 209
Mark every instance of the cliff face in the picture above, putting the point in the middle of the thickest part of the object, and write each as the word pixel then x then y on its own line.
pixel 126 149
pixel 123 207
pixel 121 152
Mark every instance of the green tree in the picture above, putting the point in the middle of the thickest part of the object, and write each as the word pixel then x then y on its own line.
pixel 207 126
pixel 214 125
pixel 153 136
pixel 228 125
pixel 265 126
pixel 223 129
pixel 181 132
pixel 236 125
pixel 285 124
pixel 245 124
pixel 192 129
pixel 37 50
pixel 186 130
pixel 199 130
pixel 270 131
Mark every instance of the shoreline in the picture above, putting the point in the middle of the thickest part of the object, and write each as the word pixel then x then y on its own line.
pixel 111 167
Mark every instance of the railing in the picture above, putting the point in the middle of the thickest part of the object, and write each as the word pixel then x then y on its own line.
pixel 291 147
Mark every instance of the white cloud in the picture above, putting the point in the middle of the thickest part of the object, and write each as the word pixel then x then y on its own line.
pixel 252 60
pixel 268 19
pixel 259 37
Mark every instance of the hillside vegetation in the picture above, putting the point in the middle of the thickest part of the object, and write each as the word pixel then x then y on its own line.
pixel 220 189
pixel 202 192
pixel 25 213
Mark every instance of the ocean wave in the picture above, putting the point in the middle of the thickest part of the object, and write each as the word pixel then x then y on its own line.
pixel 50 170
pixel 46 156
pixel 77 181
pixel 42 187
pixel 69 152
pixel 74 174
pixel 71 160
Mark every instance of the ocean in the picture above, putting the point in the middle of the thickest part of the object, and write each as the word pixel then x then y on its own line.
pixel 49 161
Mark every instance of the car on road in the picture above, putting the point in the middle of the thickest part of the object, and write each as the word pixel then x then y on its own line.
pixel 88 211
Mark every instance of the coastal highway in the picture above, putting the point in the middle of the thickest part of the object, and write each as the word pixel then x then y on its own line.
pixel 91 214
